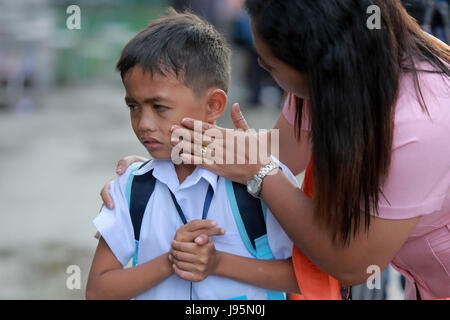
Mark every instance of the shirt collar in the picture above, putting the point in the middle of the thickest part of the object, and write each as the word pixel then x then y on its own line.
pixel 164 171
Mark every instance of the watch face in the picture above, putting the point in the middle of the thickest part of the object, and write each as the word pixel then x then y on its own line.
pixel 253 186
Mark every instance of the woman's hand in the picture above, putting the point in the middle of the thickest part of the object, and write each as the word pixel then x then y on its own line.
pixel 233 154
pixel 193 257
pixel 122 166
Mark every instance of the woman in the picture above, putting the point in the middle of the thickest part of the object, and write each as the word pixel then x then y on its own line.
pixel 377 128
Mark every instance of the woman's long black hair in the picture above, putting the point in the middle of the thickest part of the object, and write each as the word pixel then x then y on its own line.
pixel 354 74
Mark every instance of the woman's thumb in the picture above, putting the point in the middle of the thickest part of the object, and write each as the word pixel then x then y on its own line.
pixel 238 118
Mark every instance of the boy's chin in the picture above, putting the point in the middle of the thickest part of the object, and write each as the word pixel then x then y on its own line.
pixel 160 155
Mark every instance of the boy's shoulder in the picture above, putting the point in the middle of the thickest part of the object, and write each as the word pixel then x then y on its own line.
pixel 136 168
pixel 124 180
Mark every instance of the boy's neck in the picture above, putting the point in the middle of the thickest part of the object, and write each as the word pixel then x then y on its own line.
pixel 183 171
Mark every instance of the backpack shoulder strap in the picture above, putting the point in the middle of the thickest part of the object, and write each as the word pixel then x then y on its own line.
pixel 139 191
pixel 250 216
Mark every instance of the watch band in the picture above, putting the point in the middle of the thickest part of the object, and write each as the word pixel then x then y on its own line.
pixel 266 169
pixel 255 182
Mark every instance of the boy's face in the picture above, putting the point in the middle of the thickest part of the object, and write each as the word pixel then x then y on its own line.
pixel 156 103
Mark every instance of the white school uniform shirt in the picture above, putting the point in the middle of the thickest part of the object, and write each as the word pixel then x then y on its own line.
pixel 161 221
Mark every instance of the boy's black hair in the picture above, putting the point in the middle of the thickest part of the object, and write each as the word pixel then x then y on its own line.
pixel 184 45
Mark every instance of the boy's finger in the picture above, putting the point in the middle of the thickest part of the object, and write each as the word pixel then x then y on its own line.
pixel 189 247
pixel 201 240
pixel 97 235
pixel 186 267
pixel 185 275
pixel 200 224
pixel 207 233
pixel 180 256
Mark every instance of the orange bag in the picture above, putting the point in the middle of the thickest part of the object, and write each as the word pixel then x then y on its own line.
pixel 314 284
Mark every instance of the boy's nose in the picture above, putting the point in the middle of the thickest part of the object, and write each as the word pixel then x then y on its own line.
pixel 147 120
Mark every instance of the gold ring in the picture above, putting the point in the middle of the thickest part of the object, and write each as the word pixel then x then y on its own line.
pixel 203 152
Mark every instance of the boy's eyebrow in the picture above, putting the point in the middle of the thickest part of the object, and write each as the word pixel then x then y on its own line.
pixel 149 100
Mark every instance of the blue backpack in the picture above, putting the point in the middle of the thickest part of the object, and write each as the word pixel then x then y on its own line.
pixel 251 226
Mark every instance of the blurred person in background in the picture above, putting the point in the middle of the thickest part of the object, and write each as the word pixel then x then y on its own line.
pixel 256 76
pixel 436 19
pixel 431 15
pixel 207 9
pixel 416 8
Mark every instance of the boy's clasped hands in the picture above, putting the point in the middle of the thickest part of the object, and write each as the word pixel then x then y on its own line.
pixel 192 252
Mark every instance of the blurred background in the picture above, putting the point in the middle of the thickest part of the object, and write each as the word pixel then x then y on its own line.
pixel 64 125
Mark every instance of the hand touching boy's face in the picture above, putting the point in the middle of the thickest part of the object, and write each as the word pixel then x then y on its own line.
pixel 157 102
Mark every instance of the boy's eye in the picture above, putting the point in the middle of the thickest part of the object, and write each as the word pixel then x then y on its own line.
pixel 131 107
pixel 159 107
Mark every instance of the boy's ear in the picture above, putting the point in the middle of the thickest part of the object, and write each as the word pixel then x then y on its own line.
pixel 216 105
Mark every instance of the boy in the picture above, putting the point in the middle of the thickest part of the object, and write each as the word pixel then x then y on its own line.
pixel 178 67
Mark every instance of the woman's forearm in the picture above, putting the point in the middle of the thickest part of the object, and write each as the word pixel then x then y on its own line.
pixel 294 211
pixel 124 284
pixel 275 275
pixel 375 246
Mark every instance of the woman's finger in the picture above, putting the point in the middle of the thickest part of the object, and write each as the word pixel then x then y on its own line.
pixel 238 118
pixel 200 161
pixel 194 124
pixel 106 197
pixel 199 138
pixel 124 163
pixel 193 148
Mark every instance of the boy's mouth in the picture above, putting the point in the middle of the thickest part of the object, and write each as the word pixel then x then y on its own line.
pixel 151 143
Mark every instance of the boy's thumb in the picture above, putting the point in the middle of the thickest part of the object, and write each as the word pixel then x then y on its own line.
pixel 201 239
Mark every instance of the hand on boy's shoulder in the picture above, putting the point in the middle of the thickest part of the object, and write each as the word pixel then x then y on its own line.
pixel 124 163
pixel 122 166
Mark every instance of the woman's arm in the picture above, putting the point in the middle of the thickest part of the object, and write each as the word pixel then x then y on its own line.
pixel 294 211
pixel 108 280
